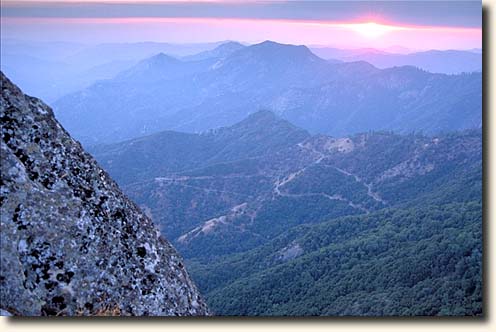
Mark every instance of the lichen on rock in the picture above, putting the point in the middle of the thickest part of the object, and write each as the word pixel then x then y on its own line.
pixel 71 242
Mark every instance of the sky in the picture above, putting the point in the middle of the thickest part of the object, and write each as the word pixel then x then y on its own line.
pixel 417 25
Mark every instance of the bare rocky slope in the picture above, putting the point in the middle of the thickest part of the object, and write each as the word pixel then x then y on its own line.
pixel 71 242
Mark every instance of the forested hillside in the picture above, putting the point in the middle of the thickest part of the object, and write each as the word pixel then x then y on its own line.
pixel 274 221
pixel 397 262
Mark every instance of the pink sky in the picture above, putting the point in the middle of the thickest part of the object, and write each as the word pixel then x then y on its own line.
pixel 365 28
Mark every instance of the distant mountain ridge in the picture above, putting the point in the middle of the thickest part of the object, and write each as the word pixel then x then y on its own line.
pixel 161 67
pixel 291 81
pixel 435 61
pixel 220 52
pixel 69 67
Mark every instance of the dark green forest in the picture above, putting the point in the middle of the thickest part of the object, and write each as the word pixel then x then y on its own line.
pixel 396 262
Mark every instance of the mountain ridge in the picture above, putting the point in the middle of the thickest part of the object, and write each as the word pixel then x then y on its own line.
pixel 331 98
pixel 435 61
pixel 220 52
pixel 266 173
pixel 262 130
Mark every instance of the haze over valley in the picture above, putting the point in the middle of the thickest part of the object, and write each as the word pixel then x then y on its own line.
pixel 221 86
pixel 276 158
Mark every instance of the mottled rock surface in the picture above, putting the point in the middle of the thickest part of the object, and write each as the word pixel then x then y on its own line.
pixel 71 242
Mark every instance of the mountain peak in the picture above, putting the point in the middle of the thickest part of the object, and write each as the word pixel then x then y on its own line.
pixel 160 58
pixel 261 117
pixel 220 52
pixel 270 51
pixel 230 45
pixel 266 121
pixel 263 114
pixel 156 67
pixel 270 45
pixel 270 56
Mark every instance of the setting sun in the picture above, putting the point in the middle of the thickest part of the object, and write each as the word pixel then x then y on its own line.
pixel 372 30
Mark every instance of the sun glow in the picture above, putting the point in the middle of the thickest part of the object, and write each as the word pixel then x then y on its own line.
pixel 372 30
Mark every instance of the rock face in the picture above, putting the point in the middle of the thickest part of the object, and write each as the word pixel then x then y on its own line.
pixel 71 242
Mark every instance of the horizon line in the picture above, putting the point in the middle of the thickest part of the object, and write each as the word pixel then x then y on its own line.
pixel 245 43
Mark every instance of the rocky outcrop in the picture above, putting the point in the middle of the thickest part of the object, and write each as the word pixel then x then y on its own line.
pixel 71 242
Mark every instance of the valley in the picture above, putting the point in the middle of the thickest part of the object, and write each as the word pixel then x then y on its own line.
pixel 230 210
